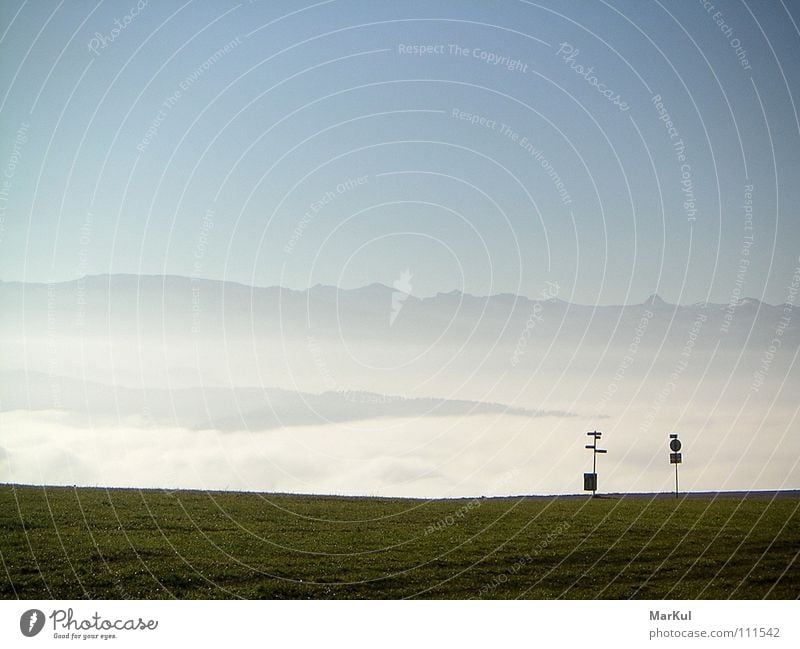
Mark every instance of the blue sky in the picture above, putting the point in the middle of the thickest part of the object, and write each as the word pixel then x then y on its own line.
pixel 299 143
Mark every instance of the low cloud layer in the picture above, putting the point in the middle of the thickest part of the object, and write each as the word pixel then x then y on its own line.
pixel 430 457
pixel 228 409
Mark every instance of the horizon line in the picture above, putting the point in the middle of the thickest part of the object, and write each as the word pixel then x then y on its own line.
pixel 654 298
pixel 371 496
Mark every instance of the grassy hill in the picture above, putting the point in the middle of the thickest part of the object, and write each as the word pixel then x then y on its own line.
pixel 58 542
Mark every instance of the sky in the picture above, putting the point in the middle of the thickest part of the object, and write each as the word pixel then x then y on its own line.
pixel 485 147
pixel 582 153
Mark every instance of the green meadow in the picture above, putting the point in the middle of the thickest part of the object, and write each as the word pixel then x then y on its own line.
pixel 63 542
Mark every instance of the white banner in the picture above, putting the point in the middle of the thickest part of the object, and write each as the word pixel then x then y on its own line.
pixel 377 624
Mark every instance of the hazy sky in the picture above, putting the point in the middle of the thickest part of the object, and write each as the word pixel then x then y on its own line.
pixel 299 143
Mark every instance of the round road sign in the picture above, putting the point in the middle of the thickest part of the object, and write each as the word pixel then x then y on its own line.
pixel 675 445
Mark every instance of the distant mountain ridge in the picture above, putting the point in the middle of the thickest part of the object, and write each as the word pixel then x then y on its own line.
pixel 169 331
pixel 229 409
pixel 169 280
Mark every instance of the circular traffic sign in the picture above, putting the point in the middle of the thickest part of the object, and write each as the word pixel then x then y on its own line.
pixel 675 445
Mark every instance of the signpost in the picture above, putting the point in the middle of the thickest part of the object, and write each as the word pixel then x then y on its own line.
pixel 590 479
pixel 675 457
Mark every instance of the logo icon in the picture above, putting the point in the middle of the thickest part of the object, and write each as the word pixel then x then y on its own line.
pixel 402 290
pixel 31 622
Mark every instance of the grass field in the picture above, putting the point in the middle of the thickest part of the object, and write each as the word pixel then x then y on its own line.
pixel 97 543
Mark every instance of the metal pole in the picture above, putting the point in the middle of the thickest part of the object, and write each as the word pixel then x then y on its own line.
pixel 594 467
pixel 676 481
